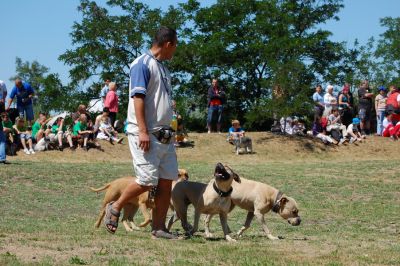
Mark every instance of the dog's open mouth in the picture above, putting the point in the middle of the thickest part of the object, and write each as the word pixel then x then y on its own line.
pixel 220 172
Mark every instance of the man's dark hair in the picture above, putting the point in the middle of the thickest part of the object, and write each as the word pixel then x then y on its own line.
pixel 163 35
pixel 42 113
pixel 106 110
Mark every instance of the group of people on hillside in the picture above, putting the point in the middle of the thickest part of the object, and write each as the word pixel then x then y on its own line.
pixel 17 130
pixel 336 119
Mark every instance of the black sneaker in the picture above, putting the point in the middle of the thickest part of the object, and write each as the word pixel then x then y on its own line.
pixel 60 148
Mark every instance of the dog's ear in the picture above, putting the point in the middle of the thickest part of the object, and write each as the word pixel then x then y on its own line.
pixel 283 200
pixel 236 177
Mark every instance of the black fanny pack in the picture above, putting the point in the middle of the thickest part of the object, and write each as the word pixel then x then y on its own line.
pixel 164 135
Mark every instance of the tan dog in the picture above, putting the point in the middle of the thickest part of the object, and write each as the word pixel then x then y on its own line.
pixel 142 202
pixel 258 199
pixel 211 198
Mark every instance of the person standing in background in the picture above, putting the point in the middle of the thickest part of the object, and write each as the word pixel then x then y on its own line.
pixel 111 102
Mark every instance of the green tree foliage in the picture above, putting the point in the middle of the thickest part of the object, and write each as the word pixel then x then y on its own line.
pixel 252 46
pixel 388 50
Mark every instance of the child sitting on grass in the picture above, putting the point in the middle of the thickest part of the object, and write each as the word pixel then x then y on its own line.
pixel 80 130
pixel 60 130
pixel 354 131
pixel 24 135
pixel 336 127
pixel 106 131
pixel 7 127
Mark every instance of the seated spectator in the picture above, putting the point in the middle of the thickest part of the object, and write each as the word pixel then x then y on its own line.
pixel 354 131
pixel 90 126
pixel 235 132
pixel 236 136
pixel 298 127
pixel 335 126
pixel 60 130
pixel 106 131
pixel 286 125
pixel 7 127
pixel 39 128
pixel 25 136
pixel 97 122
pixel 319 132
pixel 391 128
pixel 80 130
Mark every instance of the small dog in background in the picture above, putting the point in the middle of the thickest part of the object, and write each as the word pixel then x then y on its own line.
pixel 237 138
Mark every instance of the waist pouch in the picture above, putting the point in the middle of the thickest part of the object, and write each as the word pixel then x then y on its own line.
pixel 164 135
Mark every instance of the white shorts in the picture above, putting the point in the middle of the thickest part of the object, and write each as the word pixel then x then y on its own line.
pixel 159 162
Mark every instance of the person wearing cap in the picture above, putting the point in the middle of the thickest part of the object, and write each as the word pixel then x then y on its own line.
pixel 364 107
pixel 329 101
pixel 345 106
pixel 380 107
pixel 235 132
pixel 354 131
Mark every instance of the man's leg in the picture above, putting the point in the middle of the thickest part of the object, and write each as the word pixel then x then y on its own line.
pixel 131 191
pixel 209 118
pixel 2 147
pixel 219 121
pixel 162 200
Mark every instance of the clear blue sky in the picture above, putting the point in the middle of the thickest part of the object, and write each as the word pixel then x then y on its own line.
pixel 39 29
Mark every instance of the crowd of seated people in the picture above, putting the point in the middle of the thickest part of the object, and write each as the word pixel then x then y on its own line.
pixel 74 131
pixel 335 119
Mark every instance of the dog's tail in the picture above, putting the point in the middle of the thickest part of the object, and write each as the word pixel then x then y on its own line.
pixel 100 189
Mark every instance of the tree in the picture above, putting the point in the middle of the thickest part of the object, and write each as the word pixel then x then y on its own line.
pixel 254 46
pixel 388 50
pixel 106 44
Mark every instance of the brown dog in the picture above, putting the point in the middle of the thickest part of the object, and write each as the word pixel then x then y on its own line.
pixel 258 199
pixel 142 202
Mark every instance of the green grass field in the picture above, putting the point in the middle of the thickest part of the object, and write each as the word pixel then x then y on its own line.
pixel 350 215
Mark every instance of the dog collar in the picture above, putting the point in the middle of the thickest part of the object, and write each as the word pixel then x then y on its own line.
pixel 221 193
pixel 277 203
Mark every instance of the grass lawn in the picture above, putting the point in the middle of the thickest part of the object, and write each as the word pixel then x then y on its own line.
pixel 350 210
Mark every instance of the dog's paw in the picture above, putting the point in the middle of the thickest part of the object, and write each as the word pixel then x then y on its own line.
pixel 271 237
pixel 209 235
pixel 230 239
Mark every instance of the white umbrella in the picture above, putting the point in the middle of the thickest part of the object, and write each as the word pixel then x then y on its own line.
pixel 95 106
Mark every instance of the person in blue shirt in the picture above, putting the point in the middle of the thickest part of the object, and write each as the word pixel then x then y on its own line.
pixel 235 132
pixel 24 93
pixel 318 99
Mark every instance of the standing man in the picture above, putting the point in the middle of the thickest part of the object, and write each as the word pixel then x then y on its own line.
pixel 364 107
pixel 3 95
pixel 24 93
pixel 111 102
pixel 150 137
pixel 104 90
pixel 215 98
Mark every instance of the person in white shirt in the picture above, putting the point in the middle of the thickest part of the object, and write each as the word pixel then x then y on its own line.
pixel 150 137
pixel 329 100
pixel 3 95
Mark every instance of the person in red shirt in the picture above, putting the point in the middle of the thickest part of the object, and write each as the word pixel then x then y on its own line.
pixel 216 98
pixel 111 102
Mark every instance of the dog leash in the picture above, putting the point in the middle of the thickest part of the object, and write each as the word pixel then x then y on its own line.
pixel 277 203
pixel 221 193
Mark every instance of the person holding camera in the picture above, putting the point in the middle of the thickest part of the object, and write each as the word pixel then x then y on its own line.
pixel 24 93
